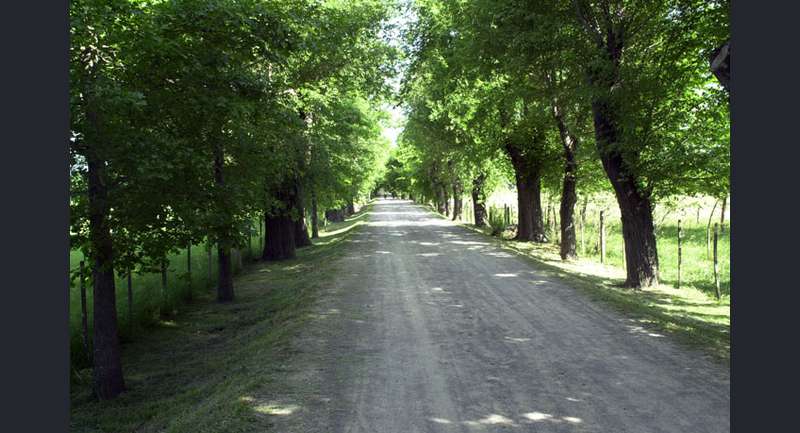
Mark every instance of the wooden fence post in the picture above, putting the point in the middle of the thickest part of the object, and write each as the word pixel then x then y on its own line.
pixel 680 252
pixel 602 238
pixel 708 230
pixel 716 263
pixel 84 315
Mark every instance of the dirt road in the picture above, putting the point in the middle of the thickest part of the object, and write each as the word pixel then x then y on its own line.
pixel 426 327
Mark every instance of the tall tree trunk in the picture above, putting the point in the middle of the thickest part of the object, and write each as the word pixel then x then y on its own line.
pixel 351 206
pixel 107 368
pixel 314 216
pixel 441 199
pixel 641 254
pixel 529 202
pixel 720 65
pixel 107 364
pixel 225 274
pixel 530 226
pixel 479 200
pixel 279 244
pixel 446 201
pixel 225 288
pixel 301 238
pixel 569 244
pixel 280 227
pixel 458 203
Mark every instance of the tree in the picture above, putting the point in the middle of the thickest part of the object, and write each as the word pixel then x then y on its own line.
pixel 188 121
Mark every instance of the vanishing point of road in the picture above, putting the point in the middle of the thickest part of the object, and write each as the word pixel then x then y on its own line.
pixel 425 326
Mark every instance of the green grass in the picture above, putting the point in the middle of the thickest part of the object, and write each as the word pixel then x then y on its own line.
pixel 697 269
pixel 691 314
pixel 207 368
pixel 149 304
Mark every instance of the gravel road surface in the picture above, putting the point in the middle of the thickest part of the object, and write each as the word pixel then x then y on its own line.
pixel 425 326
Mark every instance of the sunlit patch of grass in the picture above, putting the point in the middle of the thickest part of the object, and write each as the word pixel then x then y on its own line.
pixel 206 367
pixel 697 268
pixel 334 231
pixel 276 409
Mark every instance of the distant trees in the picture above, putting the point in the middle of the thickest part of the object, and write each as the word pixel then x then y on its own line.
pixel 192 118
pixel 561 85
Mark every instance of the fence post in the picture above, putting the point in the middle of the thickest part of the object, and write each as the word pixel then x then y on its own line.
pixel 602 238
pixel 84 318
pixel 708 230
pixel 716 263
pixel 680 252
pixel 130 301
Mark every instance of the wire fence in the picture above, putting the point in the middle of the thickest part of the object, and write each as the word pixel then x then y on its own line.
pixel 693 241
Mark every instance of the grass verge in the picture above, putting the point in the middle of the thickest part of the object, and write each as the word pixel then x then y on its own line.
pixel 690 315
pixel 197 371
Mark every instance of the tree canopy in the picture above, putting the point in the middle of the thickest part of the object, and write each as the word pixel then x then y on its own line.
pixel 568 96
